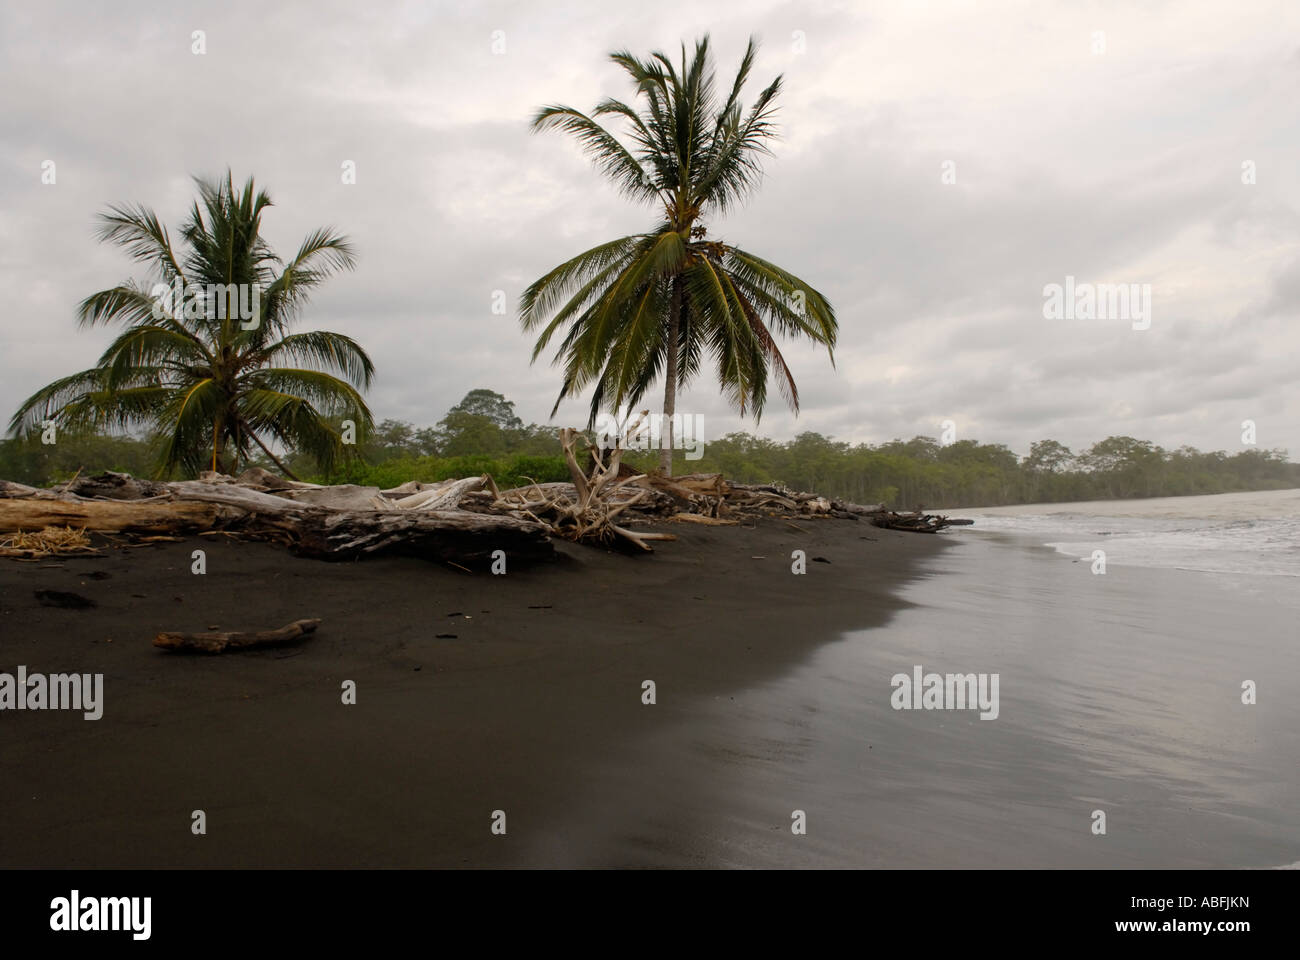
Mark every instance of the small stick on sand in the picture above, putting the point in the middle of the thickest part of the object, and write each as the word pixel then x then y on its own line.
pixel 228 640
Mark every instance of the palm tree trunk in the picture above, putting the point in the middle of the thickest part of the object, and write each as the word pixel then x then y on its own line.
pixel 274 459
pixel 670 381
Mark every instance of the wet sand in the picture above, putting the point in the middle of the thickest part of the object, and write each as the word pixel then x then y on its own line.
pixel 530 697
pixel 1119 693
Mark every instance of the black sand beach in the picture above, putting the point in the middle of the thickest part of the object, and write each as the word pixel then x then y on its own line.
pixel 475 693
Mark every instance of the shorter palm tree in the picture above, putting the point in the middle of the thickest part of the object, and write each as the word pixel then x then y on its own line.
pixel 210 383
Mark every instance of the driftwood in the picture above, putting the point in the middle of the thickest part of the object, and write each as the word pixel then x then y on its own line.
pixel 597 501
pixel 916 522
pixel 457 521
pixel 196 506
pixel 703 520
pixel 233 640
pixel 856 509
pixel 114 486
pixel 345 496
pixel 10 489
pixel 110 516
pixel 442 535
pixel 443 496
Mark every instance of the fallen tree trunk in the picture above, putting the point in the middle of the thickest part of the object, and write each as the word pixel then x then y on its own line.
pixel 443 535
pixel 233 640
pixel 111 516
pixel 10 489
pixel 231 495
pixel 857 509
pixel 115 486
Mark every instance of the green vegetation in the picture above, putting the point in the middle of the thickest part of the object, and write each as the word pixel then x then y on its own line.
pixel 482 434
pixel 921 472
pixel 205 379
pixel 657 303
pixel 27 460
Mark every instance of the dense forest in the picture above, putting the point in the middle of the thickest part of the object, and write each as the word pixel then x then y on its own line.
pixel 482 434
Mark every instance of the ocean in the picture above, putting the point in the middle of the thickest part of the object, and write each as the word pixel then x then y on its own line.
pixel 1243 538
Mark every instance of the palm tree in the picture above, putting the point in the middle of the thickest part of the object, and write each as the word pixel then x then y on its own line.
pixel 208 385
pixel 655 303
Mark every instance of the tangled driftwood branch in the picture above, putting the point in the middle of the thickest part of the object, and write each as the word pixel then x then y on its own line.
pixel 596 502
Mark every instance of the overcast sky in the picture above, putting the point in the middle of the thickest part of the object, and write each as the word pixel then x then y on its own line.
pixel 1122 165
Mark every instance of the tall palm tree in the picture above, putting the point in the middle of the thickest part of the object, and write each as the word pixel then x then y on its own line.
pixel 209 382
pixel 654 303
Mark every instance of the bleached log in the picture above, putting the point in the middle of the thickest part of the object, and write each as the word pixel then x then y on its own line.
pixel 858 508
pixel 112 516
pixel 252 501
pixel 344 496
pixel 446 496
pixel 257 477
pixel 410 487
pixel 10 489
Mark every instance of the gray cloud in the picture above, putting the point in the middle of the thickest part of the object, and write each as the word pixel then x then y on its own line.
pixel 1124 167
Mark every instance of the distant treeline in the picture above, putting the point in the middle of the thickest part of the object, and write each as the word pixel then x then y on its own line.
pixel 921 472
pixel 482 434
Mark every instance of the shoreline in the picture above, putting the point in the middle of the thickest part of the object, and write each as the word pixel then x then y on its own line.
pixel 1118 694
pixel 538 675
pixel 1108 507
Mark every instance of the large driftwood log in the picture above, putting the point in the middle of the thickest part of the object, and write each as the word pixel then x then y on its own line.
pixel 444 535
pixel 115 486
pixel 443 496
pixel 266 480
pixel 857 509
pixel 112 516
pixel 231 495
pixel 345 496
pixel 234 640
pixel 10 489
